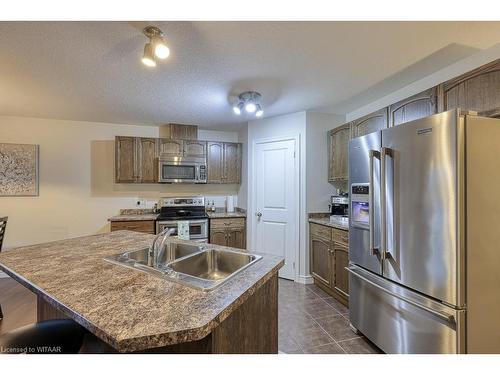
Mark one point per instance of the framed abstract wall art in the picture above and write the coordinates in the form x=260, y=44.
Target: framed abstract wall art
x=18, y=170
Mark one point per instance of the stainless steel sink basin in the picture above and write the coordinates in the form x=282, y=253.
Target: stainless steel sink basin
x=198, y=266
x=139, y=258
x=210, y=268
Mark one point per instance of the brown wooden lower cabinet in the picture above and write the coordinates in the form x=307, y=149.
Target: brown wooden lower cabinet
x=329, y=255
x=228, y=232
x=144, y=226
x=341, y=276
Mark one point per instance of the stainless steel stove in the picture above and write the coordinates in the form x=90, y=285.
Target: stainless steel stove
x=190, y=209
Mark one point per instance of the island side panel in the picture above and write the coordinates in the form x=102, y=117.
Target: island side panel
x=45, y=311
x=253, y=327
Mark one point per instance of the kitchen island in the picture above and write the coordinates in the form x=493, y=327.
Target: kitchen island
x=133, y=311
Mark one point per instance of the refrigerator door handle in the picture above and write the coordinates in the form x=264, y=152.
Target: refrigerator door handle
x=373, y=250
x=447, y=317
x=383, y=204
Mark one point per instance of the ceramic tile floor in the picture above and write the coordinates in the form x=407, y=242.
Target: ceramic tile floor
x=312, y=322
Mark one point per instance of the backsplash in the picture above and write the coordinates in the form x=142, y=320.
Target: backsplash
x=218, y=200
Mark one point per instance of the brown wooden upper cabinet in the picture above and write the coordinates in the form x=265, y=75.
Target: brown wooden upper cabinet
x=179, y=131
x=232, y=163
x=147, y=165
x=136, y=159
x=413, y=108
x=171, y=147
x=338, y=142
x=223, y=163
x=377, y=120
x=477, y=90
x=196, y=149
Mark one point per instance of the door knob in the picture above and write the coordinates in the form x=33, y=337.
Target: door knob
x=259, y=214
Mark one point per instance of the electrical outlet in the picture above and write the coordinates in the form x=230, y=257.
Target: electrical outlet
x=140, y=203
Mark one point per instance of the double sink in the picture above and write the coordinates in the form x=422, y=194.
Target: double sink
x=203, y=267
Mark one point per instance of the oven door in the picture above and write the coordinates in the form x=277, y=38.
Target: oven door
x=198, y=229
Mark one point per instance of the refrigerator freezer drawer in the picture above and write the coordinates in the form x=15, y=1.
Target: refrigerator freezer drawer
x=399, y=320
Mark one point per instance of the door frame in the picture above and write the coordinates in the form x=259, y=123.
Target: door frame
x=297, y=194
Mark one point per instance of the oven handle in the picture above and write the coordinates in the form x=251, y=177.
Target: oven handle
x=200, y=221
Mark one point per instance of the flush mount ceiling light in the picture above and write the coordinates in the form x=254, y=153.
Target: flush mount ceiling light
x=250, y=102
x=156, y=48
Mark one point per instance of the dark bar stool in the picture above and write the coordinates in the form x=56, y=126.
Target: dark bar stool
x=58, y=336
x=3, y=225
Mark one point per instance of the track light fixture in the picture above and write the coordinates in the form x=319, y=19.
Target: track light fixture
x=156, y=48
x=250, y=102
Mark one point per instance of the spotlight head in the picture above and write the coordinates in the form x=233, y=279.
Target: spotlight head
x=148, y=57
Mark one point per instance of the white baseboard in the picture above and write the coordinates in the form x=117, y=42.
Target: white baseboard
x=305, y=279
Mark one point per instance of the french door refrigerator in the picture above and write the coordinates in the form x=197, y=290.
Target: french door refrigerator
x=424, y=235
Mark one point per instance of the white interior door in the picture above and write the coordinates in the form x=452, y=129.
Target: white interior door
x=276, y=202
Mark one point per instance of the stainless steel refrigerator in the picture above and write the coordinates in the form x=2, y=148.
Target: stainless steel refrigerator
x=424, y=235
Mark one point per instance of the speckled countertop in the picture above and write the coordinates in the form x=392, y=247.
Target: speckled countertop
x=137, y=217
x=134, y=214
x=324, y=219
x=224, y=214
x=128, y=309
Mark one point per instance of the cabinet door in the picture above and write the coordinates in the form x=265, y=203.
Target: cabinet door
x=338, y=153
x=197, y=149
x=413, y=108
x=370, y=123
x=340, y=274
x=236, y=238
x=144, y=226
x=477, y=90
x=215, y=167
x=232, y=163
x=320, y=259
x=147, y=160
x=218, y=236
x=171, y=147
x=181, y=131
x=125, y=159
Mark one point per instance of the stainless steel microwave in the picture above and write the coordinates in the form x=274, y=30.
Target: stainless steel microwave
x=180, y=170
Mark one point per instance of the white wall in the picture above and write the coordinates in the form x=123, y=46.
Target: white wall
x=440, y=76
x=311, y=128
x=215, y=135
x=318, y=188
x=77, y=189
x=243, y=191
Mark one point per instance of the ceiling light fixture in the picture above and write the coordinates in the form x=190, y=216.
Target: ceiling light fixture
x=148, y=58
x=156, y=48
x=250, y=101
x=238, y=108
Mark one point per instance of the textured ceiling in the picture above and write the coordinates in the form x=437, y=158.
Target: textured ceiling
x=92, y=71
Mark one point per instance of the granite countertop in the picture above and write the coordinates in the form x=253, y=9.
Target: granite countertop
x=224, y=214
x=128, y=309
x=326, y=221
x=135, y=214
x=136, y=217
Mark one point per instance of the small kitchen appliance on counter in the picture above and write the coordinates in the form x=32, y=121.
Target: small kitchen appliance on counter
x=184, y=209
x=339, y=209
